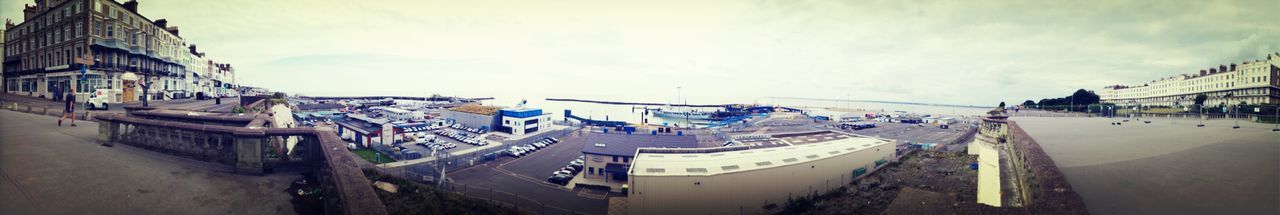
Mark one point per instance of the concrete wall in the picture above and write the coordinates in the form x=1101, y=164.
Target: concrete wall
x=748, y=192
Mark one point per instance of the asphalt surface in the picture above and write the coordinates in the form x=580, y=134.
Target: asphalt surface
x=47, y=169
x=507, y=184
x=526, y=177
x=1166, y=166
x=542, y=163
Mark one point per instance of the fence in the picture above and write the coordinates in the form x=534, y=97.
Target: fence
x=429, y=172
x=494, y=197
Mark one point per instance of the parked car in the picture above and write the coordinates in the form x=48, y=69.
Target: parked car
x=561, y=179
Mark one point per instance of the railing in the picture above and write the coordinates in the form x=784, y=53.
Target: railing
x=245, y=148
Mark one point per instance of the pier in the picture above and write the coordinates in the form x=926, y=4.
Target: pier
x=634, y=103
x=418, y=98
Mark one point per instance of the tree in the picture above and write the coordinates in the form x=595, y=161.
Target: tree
x=1200, y=99
x=1001, y=105
x=1029, y=103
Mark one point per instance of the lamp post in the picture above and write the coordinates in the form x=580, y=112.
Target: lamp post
x=1200, y=116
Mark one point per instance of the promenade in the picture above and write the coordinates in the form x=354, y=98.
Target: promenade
x=46, y=169
x=1168, y=166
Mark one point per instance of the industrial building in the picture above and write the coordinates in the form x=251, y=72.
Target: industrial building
x=521, y=121
x=737, y=180
x=1249, y=82
x=608, y=155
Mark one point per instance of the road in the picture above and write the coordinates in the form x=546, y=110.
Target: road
x=1166, y=166
x=48, y=169
x=183, y=104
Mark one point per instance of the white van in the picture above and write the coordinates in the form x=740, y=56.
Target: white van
x=97, y=100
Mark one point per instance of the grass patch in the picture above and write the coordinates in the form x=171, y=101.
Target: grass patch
x=369, y=154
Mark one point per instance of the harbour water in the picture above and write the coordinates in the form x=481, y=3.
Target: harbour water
x=636, y=114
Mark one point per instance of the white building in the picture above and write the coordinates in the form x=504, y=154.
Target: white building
x=521, y=121
x=1249, y=82
x=727, y=181
x=395, y=114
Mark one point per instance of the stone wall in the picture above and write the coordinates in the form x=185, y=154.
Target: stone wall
x=1048, y=189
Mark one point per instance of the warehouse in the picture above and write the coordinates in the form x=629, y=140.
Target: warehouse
x=748, y=180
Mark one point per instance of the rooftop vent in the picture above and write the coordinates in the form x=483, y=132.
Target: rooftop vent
x=789, y=160
x=811, y=156
x=657, y=170
x=729, y=167
x=702, y=170
x=766, y=163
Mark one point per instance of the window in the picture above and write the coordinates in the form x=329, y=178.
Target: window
x=79, y=25
x=591, y=170
x=615, y=158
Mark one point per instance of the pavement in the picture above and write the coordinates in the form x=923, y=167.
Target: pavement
x=46, y=169
x=1168, y=166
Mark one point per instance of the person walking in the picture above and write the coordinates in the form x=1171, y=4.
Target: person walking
x=70, y=110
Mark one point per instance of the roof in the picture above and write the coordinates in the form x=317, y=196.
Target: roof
x=725, y=162
x=319, y=106
x=476, y=109
x=622, y=144
x=358, y=126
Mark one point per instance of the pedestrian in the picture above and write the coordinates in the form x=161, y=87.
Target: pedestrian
x=69, y=111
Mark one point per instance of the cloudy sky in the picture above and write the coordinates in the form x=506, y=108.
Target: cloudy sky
x=954, y=52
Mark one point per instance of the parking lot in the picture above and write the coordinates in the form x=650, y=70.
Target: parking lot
x=460, y=146
x=540, y=164
x=920, y=133
x=526, y=176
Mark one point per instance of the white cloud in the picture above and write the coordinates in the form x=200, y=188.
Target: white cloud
x=961, y=52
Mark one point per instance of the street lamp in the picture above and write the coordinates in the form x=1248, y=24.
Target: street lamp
x=1200, y=116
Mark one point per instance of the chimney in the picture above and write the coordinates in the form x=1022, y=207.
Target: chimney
x=1233, y=67
x=1213, y=70
x=131, y=5
x=172, y=30
x=162, y=23
x=1222, y=68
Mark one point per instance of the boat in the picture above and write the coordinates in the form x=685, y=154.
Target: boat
x=680, y=113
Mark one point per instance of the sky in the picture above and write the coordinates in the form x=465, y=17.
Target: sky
x=947, y=52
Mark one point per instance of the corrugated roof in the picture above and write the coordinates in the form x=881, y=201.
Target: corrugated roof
x=621, y=144
x=698, y=164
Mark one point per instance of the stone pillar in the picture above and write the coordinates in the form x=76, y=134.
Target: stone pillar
x=248, y=146
x=107, y=132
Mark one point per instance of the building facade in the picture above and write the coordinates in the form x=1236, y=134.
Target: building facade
x=608, y=156
x=1254, y=82
x=119, y=42
x=748, y=180
x=521, y=121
